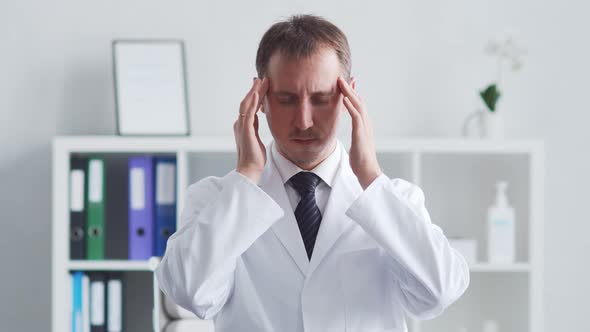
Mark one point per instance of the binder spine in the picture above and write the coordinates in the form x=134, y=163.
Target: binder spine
x=115, y=300
x=165, y=209
x=76, y=279
x=97, y=302
x=96, y=209
x=116, y=205
x=78, y=171
x=141, y=208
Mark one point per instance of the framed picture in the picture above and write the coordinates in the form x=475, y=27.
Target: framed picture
x=150, y=87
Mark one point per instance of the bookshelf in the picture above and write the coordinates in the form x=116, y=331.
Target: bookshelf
x=457, y=176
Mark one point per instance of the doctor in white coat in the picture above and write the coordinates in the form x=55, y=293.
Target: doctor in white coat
x=303, y=236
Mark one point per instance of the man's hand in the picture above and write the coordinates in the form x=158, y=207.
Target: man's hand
x=363, y=157
x=251, y=151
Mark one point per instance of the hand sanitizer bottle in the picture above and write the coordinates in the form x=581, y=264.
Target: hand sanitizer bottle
x=490, y=326
x=501, y=234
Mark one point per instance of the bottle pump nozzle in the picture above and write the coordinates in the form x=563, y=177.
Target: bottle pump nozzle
x=501, y=199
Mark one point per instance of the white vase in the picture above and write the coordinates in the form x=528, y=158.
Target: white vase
x=484, y=124
x=493, y=125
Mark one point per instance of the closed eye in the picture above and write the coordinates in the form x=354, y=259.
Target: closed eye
x=323, y=100
x=318, y=99
x=286, y=100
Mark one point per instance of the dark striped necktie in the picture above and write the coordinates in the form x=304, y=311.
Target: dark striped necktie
x=307, y=213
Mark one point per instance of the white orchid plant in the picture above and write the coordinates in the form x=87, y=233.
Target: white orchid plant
x=506, y=50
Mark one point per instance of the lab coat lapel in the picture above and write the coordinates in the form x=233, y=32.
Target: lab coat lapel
x=286, y=228
x=334, y=221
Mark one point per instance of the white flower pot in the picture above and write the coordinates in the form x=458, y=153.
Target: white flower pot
x=493, y=125
x=488, y=125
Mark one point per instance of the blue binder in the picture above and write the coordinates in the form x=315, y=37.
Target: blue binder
x=76, y=278
x=165, y=202
x=141, y=207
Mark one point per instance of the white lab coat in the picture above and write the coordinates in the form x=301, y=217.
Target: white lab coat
x=239, y=257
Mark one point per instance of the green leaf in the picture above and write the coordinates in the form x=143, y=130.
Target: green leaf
x=490, y=96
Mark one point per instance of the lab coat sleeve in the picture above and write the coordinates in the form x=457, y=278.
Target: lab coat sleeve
x=221, y=219
x=429, y=273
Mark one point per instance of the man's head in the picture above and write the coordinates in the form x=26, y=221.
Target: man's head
x=303, y=58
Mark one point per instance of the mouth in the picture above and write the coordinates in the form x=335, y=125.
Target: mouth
x=304, y=141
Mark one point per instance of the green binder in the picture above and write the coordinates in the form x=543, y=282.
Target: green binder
x=96, y=209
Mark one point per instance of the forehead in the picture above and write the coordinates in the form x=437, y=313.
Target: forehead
x=317, y=72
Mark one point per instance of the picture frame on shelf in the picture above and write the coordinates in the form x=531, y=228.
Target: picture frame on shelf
x=150, y=87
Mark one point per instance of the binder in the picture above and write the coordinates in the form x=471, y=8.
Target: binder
x=97, y=302
x=96, y=209
x=85, y=303
x=165, y=210
x=78, y=166
x=115, y=302
x=141, y=208
x=116, y=202
x=76, y=280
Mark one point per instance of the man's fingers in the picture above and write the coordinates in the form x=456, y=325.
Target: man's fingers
x=260, y=90
x=350, y=107
x=250, y=112
x=263, y=89
x=255, y=84
x=248, y=120
x=256, y=126
x=248, y=104
x=350, y=93
x=247, y=101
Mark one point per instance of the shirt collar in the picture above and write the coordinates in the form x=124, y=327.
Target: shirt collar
x=326, y=170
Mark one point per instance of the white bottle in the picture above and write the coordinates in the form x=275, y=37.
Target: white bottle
x=490, y=326
x=501, y=233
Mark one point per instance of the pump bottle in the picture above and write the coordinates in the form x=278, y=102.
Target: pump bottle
x=501, y=230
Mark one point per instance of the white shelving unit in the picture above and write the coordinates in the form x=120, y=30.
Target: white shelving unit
x=450, y=171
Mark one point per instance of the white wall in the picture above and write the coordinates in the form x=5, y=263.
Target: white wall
x=418, y=64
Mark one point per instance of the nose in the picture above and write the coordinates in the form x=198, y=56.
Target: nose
x=303, y=116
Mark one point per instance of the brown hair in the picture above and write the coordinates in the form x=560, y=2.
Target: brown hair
x=302, y=36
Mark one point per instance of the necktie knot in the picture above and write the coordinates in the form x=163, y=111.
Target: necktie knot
x=305, y=182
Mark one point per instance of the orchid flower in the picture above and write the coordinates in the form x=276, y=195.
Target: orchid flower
x=506, y=49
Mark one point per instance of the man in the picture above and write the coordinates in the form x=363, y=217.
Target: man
x=302, y=236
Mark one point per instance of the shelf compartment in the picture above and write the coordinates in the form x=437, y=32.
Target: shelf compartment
x=138, y=300
x=460, y=188
x=397, y=165
x=203, y=164
x=487, y=298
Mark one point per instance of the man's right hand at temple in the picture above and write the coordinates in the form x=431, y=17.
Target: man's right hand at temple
x=251, y=150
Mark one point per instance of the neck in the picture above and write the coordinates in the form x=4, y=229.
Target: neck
x=309, y=165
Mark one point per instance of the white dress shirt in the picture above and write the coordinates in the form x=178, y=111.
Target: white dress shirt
x=326, y=170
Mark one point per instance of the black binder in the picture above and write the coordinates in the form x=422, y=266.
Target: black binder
x=78, y=185
x=116, y=206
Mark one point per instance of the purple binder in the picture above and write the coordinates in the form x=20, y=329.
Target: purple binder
x=141, y=208
x=165, y=202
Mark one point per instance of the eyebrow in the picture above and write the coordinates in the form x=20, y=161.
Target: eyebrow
x=327, y=93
